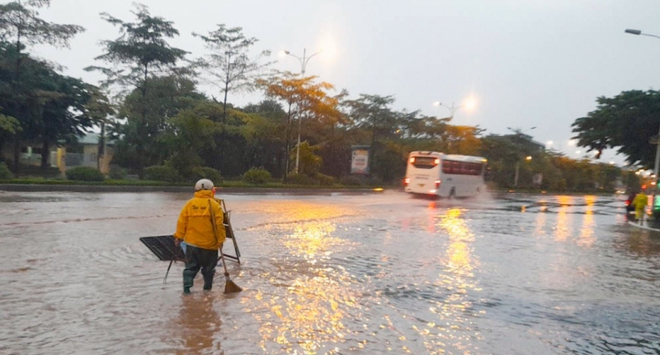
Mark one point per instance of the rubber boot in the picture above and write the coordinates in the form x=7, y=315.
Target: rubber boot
x=208, y=280
x=188, y=279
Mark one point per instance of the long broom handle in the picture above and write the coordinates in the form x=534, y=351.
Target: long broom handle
x=168, y=269
x=224, y=265
x=215, y=233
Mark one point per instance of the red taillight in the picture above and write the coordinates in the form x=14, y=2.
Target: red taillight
x=627, y=202
x=437, y=184
x=406, y=181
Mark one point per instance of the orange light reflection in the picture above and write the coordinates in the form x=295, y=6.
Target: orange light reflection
x=453, y=326
x=310, y=314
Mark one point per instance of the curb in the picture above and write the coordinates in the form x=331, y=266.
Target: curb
x=641, y=226
x=186, y=189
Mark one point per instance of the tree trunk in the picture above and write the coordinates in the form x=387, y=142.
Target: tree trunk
x=21, y=108
x=287, y=144
x=101, y=147
x=17, y=155
x=45, y=146
x=142, y=127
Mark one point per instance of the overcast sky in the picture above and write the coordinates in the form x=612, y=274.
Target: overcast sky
x=527, y=62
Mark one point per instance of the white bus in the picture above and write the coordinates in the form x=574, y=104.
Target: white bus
x=444, y=175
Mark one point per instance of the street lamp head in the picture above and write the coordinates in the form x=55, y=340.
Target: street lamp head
x=633, y=32
x=287, y=52
x=470, y=103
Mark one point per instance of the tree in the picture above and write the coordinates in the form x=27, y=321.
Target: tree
x=628, y=122
x=99, y=110
x=20, y=26
x=140, y=52
x=150, y=116
x=8, y=124
x=373, y=113
x=265, y=149
x=304, y=99
x=229, y=63
x=189, y=135
x=461, y=140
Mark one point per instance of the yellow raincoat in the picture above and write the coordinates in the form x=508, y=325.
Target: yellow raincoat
x=640, y=202
x=194, y=225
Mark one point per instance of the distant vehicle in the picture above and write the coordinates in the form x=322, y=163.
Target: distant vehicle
x=444, y=175
x=630, y=209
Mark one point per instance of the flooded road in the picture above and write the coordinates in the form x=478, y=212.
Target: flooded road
x=332, y=274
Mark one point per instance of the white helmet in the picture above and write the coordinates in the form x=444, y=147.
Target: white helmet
x=204, y=184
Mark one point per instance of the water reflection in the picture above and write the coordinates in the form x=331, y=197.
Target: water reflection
x=452, y=327
x=334, y=275
x=640, y=242
x=196, y=329
x=563, y=228
x=309, y=316
x=587, y=236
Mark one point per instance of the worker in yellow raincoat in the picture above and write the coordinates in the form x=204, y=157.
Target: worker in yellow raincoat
x=201, y=227
x=640, y=202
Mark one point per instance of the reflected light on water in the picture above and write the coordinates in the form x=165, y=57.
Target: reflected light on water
x=563, y=227
x=453, y=324
x=587, y=236
x=311, y=239
x=309, y=316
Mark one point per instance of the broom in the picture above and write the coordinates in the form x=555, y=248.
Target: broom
x=230, y=286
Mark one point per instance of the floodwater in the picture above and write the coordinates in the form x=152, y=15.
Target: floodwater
x=332, y=274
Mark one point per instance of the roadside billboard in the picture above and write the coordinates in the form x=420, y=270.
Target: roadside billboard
x=360, y=160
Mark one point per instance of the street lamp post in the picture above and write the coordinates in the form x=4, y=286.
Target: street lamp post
x=515, y=179
x=657, y=140
x=303, y=65
x=451, y=109
x=527, y=158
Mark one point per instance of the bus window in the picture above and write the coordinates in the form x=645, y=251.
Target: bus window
x=424, y=162
x=461, y=168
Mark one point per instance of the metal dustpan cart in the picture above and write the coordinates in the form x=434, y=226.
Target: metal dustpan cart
x=230, y=233
x=163, y=245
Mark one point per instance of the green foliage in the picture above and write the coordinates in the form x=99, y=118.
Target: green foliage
x=162, y=173
x=229, y=65
x=205, y=172
x=310, y=163
x=20, y=21
x=299, y=179
x=324, y=180
x=257, y=176
x=185, y=163
x=304, y=179
x=627, y=121
x=117, y=173
x=5, y=174
x=9, y=124
x=140, y=54
x=84, y=173
x=351, y=180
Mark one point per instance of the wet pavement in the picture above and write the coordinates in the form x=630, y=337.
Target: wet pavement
x=332, y=274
